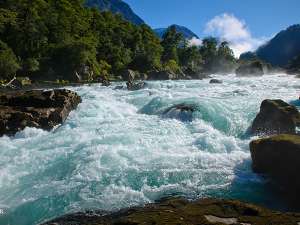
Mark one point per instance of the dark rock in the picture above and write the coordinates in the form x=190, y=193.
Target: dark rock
x=162, y=75
x=106, y=83
x=250, y=69
x=129, y=75
x=278, y=157
x=275, y=117
x=183, y=212
x=119, y=87
x=215, y=81
x=134, y=86
x=35, y=108
x=183, y=112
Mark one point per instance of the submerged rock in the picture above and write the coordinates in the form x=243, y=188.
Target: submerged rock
x=278, y=157
x=276, y=117
x=183, y=212
x=250, y=69
x=36, y=108
x=215, y=81
x=183, y=112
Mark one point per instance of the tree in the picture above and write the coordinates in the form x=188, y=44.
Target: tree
x=225, y=60
x=170, y=43
x=190, y=58
x=69, y=59
x=8, y=62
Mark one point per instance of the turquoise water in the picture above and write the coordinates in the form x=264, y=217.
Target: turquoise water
x=117, y=150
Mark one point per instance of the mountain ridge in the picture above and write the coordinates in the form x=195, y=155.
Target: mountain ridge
x=187, y=33
x=118, y=7
x=281, y=49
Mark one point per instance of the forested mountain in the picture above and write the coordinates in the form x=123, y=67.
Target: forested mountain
x=281, y=49
x=187, y=33
x=116, y=6
x=50, y=39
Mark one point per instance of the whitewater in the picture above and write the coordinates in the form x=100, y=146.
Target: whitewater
x=117, y=149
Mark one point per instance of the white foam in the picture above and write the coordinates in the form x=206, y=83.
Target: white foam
x=111, y=154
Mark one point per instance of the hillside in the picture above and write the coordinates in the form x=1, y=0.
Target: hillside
x=282, y=48
x=187, y=33
x=116, y=6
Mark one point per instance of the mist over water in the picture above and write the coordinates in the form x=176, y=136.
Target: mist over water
x=118, y=150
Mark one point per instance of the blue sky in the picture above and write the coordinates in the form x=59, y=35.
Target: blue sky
x=260, y=18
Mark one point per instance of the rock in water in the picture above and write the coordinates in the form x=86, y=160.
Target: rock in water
x=182, y=212
x=215, y=81
x=35, y=108
x=250, y=69
x=129, y=75
x=275, y=117
x=134, y=86
x=183, y=112
x=162, y=75
x=278, y=157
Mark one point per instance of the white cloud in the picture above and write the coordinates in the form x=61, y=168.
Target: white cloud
x=229, y=28
x=195, y=42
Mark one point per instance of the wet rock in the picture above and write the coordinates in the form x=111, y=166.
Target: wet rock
x=129, y=75
x=182, y=212
x=250, y=69
x=215, y=81
x=162, y=75
x=183, y=112
x=276, y=117
x=134, y=86
x=119, y=87
x=278, y=157
x=35, y=108
x=106, y=83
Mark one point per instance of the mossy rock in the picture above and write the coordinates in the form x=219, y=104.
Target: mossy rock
x=276, y=117
x=180, y=211
x=279, y=158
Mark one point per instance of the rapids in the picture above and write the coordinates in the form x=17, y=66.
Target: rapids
x=118, y=149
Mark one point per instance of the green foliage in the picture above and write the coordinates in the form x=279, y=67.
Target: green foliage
x=8, y=62
x=78, y=57
x=62, y=39
x=218, y=57
x=190, y=58
x=104, y=69
x=170, y=43
x=172, y=66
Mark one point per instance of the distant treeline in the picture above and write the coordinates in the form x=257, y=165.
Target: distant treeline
x=63, y=39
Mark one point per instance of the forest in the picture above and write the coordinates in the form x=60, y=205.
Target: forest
x=64, y=40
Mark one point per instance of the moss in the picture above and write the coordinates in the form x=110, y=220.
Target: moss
x=294, y=139
x=180, y=211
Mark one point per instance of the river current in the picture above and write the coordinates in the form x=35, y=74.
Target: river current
x=118, y=149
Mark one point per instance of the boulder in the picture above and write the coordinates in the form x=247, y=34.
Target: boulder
x=215, y=81
x=279, y=158
x=129, y=75
x=183, y=212
x=35, y=108
x=275, y=117
x=134, y=86
x=250, y=69
x=162, y=75
x=183, y=112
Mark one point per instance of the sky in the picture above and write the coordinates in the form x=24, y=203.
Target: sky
x=246, y=24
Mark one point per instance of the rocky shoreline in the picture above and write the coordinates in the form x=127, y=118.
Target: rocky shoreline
x=35, y=108
x=183, y=212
